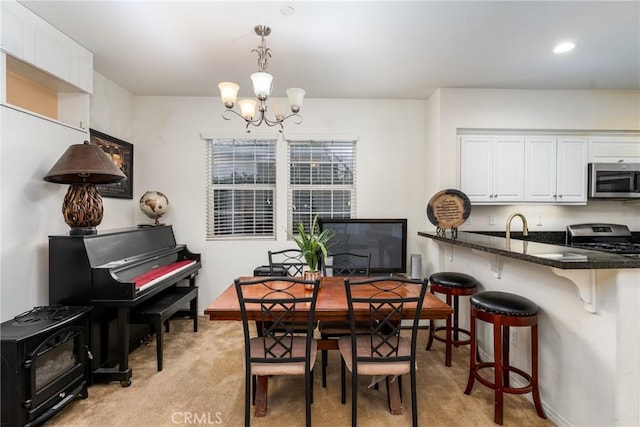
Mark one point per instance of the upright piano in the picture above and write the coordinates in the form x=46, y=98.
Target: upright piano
x=114, y=271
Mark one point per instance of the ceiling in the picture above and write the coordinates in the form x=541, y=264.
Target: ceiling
x=363, y=49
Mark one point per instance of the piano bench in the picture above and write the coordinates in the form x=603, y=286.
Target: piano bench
x=159, y=310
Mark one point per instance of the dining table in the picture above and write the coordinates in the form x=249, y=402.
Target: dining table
x=331, y=305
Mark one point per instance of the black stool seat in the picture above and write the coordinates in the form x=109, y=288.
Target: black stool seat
x=504, y=304
x=453, y=280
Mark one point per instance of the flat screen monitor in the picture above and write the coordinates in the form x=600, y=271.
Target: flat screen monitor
x=384, y=239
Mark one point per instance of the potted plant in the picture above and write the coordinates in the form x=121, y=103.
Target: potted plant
x=313, y=246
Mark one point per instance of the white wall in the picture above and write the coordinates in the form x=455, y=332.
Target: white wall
x=171, y=157
x=31, y=207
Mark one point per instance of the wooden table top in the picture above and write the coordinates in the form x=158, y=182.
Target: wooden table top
x=331, y=303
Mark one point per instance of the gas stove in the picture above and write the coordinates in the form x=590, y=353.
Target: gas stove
x=614, y=238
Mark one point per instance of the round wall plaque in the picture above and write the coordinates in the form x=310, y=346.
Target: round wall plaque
x=448, y=208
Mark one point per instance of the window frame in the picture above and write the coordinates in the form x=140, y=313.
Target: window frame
x=211, y=228
x=292, y=188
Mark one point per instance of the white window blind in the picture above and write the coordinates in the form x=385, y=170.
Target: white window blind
x=322, y=181
x=241, y=188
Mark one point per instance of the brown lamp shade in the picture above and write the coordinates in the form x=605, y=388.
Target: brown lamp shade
x=84, y=163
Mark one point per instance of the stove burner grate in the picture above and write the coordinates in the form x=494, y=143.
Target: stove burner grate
x=43, y=312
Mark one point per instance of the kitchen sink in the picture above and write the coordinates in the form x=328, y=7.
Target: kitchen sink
x=562, y=256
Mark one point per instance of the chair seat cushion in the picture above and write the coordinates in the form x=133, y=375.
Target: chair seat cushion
x=453, y=280
x=504, y=303
x=363, y=348
x=342, y=328
x=281, y=368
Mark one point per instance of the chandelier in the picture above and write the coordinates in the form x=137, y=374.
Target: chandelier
x=262, y=85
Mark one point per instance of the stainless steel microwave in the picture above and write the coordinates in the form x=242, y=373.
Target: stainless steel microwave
x=614, y=181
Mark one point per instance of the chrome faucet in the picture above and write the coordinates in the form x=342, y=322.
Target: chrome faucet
x=525, y=227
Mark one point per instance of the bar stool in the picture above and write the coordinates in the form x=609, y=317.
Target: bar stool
x=453, y=285
x=504, y=310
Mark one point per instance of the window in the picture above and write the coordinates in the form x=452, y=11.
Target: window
x=241, y=188
x=322, y=180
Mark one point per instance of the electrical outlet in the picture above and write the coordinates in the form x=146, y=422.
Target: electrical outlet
x=492, y=220
x=513, y=337
x=539, y=221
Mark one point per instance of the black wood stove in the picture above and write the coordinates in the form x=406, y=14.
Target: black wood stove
x=44, y=363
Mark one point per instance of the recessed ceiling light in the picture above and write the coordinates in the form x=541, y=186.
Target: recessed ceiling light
x=287, y=10
x=564, y=47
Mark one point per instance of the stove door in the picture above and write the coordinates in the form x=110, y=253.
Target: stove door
x=54, y=366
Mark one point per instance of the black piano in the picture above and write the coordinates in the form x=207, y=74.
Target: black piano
x=115, y=271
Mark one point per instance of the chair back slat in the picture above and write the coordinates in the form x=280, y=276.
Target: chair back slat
x=292, y=260
x=278, y=299
x=387, y=299
x=347, y=264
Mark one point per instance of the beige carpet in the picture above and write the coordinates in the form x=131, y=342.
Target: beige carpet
x=202, y=383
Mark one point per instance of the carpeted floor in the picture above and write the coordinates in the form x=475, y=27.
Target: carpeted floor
x=202, y=383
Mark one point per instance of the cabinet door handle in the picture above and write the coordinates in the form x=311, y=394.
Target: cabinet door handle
x=560, y=195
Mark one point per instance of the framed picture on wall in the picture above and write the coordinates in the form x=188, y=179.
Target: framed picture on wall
x=121, y=153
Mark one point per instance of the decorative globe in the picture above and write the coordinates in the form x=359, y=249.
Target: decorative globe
x=154, y=204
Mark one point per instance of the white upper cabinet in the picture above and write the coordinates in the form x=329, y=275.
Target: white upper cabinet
x=614, y=149
x=492, y=168
x=31, y=39
x=505, y=169
x=572, y=170
x=555, y=169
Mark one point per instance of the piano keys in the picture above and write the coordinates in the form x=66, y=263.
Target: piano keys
x=114, y=271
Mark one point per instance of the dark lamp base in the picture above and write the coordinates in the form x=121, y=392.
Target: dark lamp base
x=81, y=231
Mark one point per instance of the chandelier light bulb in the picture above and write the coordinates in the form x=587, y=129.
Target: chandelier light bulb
x=262, y=84
x=228, y=93
x=248, y=108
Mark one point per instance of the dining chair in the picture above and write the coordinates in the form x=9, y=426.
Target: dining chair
x=383, y=351
x=292, y=260
x=346, y=264
x=279, y=303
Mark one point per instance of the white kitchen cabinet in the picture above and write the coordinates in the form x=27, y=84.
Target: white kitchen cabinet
x=614, y=149
x=31, y=39
x=555, y=169
x=492, y=168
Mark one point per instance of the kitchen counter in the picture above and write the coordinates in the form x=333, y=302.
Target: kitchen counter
x=557, y=256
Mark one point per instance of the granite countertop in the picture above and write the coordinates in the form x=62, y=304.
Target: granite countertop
x=552, y=255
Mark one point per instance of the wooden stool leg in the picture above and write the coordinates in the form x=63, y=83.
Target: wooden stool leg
x=447, y=357
x=505, y=355
x=456, y=310
x=534, y=372
x=497, y=356
x=472, y=353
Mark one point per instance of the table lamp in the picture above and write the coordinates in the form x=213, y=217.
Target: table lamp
x=83, y=166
